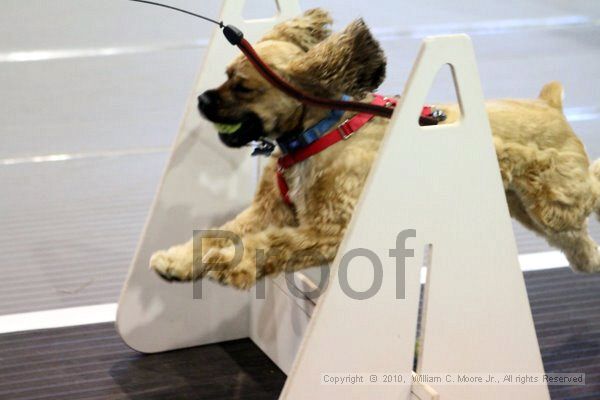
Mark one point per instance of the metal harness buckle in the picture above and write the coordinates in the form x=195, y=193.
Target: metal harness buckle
x=345, y=135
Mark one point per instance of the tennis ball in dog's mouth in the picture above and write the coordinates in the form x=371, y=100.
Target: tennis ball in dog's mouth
x=228, y=128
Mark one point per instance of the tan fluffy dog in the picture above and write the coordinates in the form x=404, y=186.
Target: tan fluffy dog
x=550, y=187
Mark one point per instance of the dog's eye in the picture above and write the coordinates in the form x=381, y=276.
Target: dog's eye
x=242, y=89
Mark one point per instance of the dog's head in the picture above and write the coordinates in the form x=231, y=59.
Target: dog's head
x=246, y=107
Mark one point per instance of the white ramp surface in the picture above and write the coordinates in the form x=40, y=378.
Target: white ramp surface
x=204, y=185
x=446, y=186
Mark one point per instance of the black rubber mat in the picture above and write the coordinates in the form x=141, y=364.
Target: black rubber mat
x=566, y=312
x=91, y=362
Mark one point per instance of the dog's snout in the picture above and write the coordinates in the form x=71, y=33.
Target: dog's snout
x=204, y=100
x=208, y=102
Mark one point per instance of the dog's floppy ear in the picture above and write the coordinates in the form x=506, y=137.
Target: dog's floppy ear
x=304, y=31
x=350, y=62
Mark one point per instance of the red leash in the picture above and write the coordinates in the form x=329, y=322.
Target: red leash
x=236, y=38
x=380, y=106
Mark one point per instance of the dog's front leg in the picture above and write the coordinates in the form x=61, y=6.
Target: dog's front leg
x=184, y=262
x=177, y=263
x=267, y=210
x=271, y=251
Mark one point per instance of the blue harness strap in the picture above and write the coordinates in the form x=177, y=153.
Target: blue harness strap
x=314, y=133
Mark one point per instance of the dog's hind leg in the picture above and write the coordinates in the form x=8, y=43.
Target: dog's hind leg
x=577, y=245
x=579, y=248
x=558, y=193
x=518, y=212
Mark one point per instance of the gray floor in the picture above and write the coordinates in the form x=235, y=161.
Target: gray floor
x=84, y=135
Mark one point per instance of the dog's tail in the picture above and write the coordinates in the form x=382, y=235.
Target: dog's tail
x=552, y=93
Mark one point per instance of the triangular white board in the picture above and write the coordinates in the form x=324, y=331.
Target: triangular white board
x=443, y=182
x=204, y=185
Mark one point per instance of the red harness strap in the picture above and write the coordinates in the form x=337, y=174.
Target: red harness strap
x=342, y=132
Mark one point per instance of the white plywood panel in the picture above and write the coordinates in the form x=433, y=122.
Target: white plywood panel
x=452, y=195
x=278, y=320
x=202, y=180
x=475, y=300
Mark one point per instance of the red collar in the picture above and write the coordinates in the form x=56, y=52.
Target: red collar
x=342, y=132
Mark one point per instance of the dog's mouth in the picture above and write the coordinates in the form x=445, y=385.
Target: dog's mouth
x=239, y=133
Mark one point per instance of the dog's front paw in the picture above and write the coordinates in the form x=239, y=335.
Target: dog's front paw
x=171, y=266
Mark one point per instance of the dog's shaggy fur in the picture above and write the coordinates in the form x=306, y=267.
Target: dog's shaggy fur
x=549, y=183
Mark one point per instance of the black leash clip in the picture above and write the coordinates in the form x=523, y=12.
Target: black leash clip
x=263, y=147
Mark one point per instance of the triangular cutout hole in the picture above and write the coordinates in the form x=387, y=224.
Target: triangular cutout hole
x=443, y=97
x=259, y=9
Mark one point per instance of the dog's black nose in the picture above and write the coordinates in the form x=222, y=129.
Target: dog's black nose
x=208, y=102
